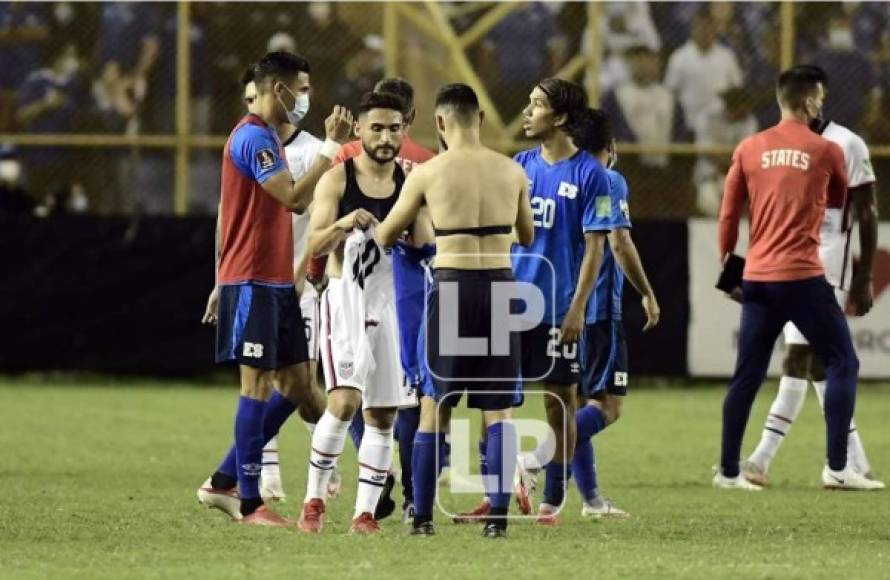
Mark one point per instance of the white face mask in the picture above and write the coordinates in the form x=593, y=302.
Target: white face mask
x=301, y=107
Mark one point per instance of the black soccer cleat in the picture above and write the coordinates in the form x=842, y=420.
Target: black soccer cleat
x=424, y=529
x=494, y=530
x=386, y=505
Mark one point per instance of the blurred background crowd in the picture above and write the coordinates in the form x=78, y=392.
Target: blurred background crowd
x=682, y=81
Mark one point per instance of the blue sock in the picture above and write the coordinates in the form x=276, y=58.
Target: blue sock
x=278, y=409
x=590, y=421
x=357, y=429
x=500, y=452
x=249, y=445
x=556, y=477
x=584, y=469
x=407, y=421
x=423, y=465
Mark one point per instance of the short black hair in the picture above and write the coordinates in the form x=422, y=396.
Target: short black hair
x=399, y=87
x=816, y=71
x=592, y=131
x=248, y=75
x=798, y=83
x=565, y=97
x=461, y=99
x=375, y=100
x=279, y=65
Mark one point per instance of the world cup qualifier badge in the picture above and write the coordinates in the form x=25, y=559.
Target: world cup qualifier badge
x=345, y=369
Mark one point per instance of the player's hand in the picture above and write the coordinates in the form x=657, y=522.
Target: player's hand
x=572, y=325
x=360, y=218
x=210, y=313
x=338, y=125
x=653, y=312
x=862, y=296
x=736, y=295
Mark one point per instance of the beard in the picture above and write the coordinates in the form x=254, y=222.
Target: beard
x=381, y=154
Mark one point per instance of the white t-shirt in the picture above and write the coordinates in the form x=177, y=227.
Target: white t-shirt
x=301, y=151
x=834, y=247
x=699, y=77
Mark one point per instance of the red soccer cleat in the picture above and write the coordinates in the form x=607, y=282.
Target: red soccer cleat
x=312, y=519
x=263, y=517
x=477, y=516
x=364, y=524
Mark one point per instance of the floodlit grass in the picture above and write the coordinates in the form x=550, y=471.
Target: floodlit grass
x=98, y=481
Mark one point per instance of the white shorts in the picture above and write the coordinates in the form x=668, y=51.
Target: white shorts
x=794, y=336
x=309, y=309
x=384, y=385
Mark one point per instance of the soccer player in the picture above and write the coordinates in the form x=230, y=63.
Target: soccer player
x=476, y=197
x=569, y=192
x=788, y=175
x=408, y=270
x=834, y=252
x=259, y=320
x=307, y=158
x=360, y=345
x=604, y=378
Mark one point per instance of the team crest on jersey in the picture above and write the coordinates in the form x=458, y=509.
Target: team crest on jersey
x=266, y=158
x=625, y=209
x=603, y=206
x=567, y=190
x=346, y=369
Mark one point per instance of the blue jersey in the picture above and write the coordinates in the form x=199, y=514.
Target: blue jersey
x=409, y=271
x=605, y=300
x=567, y=199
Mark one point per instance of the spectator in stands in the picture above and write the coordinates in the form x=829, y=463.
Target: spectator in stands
x=643, y=109
x=761, y=76
x=701, y=69
x=625, y=25
x=23, y=30
x=360, y=73
x=726, y=122
x=14, y=196
x=853, y=82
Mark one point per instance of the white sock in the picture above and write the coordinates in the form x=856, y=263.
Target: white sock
x=327, y=446
x=271, y=469
x=855, y=450
x=541, y=456
x=374, y=462
x=782, y=413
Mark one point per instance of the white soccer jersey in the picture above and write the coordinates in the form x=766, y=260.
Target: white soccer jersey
x=301, y=151
x=361, y=333
x=834, y=247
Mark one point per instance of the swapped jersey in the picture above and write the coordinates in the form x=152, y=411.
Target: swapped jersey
x=605, y=300
x=567, y=198
x=256, y=236
x=834, y=246
x=410, y=266
x=301, y=150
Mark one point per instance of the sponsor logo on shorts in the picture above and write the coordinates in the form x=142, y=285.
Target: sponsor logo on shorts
x=620, y=379
x=346, y=369
x=265, y=158
x=253, y=350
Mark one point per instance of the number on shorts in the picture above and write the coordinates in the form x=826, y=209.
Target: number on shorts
x=568, y=351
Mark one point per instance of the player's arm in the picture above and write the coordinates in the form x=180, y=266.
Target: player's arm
x=735, y=191
x=210, y=311
x=628, y=259
x=405, y=209
x=865, y=208
x=324, y=233
x=524, y=228
x=338, y=127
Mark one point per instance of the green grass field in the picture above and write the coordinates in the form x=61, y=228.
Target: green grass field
x=98, y=481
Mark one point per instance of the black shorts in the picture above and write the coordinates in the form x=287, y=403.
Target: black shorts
x=260, y=326
x=490, y=379
x=605, y=359
x=545, y=359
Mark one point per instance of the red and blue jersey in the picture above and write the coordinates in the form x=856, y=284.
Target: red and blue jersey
x=256, y=234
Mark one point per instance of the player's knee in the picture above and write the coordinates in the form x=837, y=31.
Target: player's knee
x=797, y=361
x=343, y=403
x=380, y=418
x=612, y=409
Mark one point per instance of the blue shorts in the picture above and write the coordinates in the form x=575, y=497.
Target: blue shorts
x=260, y=326
x=604, y=359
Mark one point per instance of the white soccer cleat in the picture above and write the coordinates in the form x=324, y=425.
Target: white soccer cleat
x=600, y=507
x=754, y=473
x=335, y=484
x=271, y=488
x=872, y=477
x=737, y=482
x=849, y=480
x=525, y=483
x=225, y=500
